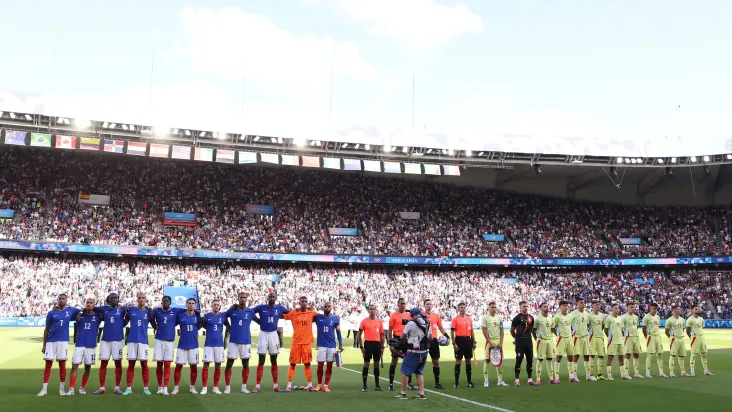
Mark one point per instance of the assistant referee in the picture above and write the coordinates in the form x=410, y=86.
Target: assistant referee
x=463, y=341
x=371, y=342
x=521, y=326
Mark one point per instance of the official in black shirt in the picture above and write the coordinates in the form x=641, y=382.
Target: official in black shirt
x=521, y=327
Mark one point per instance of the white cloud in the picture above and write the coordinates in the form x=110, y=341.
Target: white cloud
x=420, y=24
x=223, y=40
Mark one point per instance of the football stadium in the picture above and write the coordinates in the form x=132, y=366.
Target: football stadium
x=337, y=205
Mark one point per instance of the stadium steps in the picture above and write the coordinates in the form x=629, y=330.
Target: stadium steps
x=715, y=314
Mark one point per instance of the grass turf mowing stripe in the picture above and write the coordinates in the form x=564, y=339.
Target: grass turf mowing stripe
x=485, y=405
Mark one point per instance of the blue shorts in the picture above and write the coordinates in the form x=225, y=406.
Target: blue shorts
x=413, y=363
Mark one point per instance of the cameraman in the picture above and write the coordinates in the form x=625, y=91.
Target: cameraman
x=416, y=338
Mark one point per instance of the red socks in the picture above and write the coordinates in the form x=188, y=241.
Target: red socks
x=194, y=374
x=275, y=374
x=84, y=380
x=62, y=371
x=47, y=371
x=159, y=374
x=227, y=377
x=72, y=383
x=166, y=374
x=103, y=373
x=117, y=372
x=145, y=373
x=204, y=377
x=176, y=376
x=244, y=376
x=217, y=376
x=130, y=373
x=320, y=373
x=260, y=372
x=328, y=372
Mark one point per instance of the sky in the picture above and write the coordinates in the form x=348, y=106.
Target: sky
x=579, y=68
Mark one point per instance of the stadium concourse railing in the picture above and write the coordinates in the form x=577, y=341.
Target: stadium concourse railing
x=111, y=250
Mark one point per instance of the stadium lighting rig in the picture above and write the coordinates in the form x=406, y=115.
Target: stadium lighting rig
x=83, y=127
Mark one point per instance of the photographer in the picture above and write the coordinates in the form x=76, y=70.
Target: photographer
x=415, y=339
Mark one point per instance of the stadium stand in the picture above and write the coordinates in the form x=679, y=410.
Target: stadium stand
x=43, y=185
x=30, y=283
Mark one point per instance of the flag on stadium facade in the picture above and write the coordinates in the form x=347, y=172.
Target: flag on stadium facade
x=372, y=165
x=310, y=161
x=15, y=137
x=40, y=139
x=332, y=163
x=114, y=146
x=159, y=150
x=89, y=143
x=412, y=168
x=65, y=142
x=392, y=167
x=353, y=164
x=270, y=158
x=181, y=152
x=290, y=160
x=136, y=148
x=432, y=170
x=224, y=156
x=451, y=170
x=247, y=157
x=204, y=154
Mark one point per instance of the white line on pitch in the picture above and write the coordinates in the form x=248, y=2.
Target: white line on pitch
x=485, y=405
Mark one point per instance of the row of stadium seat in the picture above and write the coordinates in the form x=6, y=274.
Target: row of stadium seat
x=42, y=187
x=29, y=284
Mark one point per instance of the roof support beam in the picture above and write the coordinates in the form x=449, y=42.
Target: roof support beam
x=505, y=176
x=650, y=181
x=583, y=179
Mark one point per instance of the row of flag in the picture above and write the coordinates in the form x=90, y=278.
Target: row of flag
x=207, y=154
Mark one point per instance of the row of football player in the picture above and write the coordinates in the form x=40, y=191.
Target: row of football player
x=236, y=322
x=565, y=334
x=582, y=333
x=563, y=324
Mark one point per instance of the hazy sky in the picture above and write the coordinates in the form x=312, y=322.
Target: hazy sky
x=572, y=68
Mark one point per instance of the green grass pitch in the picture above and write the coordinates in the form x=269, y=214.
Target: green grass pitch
x=21, y=370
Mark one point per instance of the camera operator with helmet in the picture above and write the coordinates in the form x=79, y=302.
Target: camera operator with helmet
x=415, y=341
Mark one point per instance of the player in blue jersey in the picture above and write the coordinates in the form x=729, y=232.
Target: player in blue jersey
x=85, y=345
x=56, y=342
x=111, y=335
x=189, y=322
x=269, y=340
x=139, y=319
x=239, y=338
x=329, y=326
x=213, y=347
x=165, y=318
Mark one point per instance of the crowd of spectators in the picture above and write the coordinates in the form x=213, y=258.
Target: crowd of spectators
x=43, y=186
x=29, y=285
